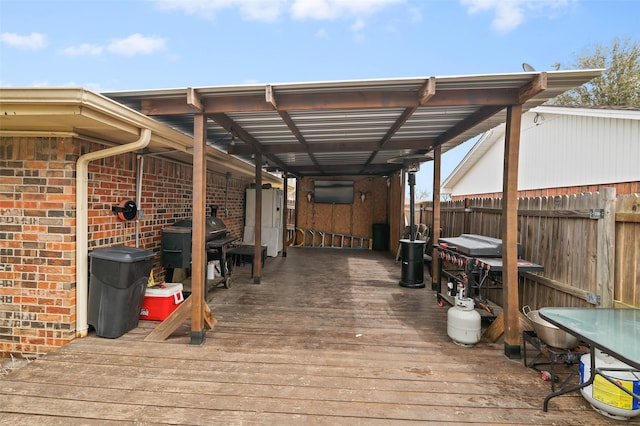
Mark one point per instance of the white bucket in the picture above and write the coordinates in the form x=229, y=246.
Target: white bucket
x=212, y=269
x=605, y=397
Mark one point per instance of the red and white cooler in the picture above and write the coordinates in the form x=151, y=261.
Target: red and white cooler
x=159, y=301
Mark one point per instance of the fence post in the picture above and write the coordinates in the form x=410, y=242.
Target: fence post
x=605, y=258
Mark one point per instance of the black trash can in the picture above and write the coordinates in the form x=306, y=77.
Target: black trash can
x=412, y=255
x=119, y=277
x=380, y=236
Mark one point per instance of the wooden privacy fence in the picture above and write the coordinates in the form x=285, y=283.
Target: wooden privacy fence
x=589, y=245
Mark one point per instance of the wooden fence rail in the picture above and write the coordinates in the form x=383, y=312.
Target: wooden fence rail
x=589, y=245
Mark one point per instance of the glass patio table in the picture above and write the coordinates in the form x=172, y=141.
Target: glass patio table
x=613, y=331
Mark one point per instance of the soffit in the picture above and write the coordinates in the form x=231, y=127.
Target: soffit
x=80, y=113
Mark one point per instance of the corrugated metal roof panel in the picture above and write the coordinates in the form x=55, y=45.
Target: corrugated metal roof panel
x=351, y=122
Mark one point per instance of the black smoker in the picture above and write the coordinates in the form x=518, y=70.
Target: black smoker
x=176, y=243
x=412, y=250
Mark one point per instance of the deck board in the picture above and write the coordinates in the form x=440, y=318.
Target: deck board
x=328, y=337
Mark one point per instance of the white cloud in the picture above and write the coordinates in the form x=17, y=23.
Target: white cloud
x=415, y=14
x=322, y=33
x=332, y=9
x=358, y=25
x=253, y=10
x=510, y=14
x=136, y=44
x=33, y=41
x=83, y=49
x=271, y=10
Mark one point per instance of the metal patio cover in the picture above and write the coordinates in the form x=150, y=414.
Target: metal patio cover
x=347, y=128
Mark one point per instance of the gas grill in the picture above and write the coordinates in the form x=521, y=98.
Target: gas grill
x=176, y=245
x=468, y=261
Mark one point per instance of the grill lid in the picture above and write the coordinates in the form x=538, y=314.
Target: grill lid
x=476, y=245
x=215, y=227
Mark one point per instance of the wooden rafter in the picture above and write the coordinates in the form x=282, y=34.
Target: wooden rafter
x=464, y=125
x=406, y=114
x=229, y=125
x=296, y=132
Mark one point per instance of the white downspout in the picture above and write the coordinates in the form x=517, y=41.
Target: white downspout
x=140, y=167
x=82, y=223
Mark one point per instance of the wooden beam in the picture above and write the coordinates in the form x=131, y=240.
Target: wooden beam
x=531, y=89
x=198, y=229
x=193, y=100
x=346, y=168
x=286, y=148
x=270, y=96
x=347, y=100
x=510, y=232
x=495, y=329
x=209, y=320
x=427, y=91
x=172, y=322
x=359, y=99
x=177, y=318
x=469, y=97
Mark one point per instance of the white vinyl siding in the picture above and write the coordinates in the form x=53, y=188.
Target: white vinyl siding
x=560, y=150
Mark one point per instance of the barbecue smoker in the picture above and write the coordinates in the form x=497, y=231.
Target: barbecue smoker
x=176, y=246
x=466, y=262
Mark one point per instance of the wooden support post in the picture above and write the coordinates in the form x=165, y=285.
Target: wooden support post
x=177, y=318
x=435, y=224
x=257, y=240
x=510, y=232
x=198, y=255
x=199, y=312
x=605, y=258
x=467, y=216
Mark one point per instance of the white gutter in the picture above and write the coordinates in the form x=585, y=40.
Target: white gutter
x=82, y=223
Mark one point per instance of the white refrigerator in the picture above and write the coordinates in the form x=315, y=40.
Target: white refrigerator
x=272, y=211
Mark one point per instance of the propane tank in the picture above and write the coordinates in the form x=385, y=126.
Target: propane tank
x=605, y=397
x=463, y=322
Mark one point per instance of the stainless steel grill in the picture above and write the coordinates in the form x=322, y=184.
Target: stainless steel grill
x=467, y=262
x=176, y=243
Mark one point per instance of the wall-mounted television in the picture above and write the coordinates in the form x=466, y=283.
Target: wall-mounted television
x=333, y=191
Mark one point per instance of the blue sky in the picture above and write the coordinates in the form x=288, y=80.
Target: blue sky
x=128, y=45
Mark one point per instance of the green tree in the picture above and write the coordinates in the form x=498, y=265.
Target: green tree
x=619, y=85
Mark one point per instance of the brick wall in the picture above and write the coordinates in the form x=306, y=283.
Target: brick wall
x=37, y=244
x=37, y=227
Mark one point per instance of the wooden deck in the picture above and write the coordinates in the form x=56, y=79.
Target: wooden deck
x=328, y=337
